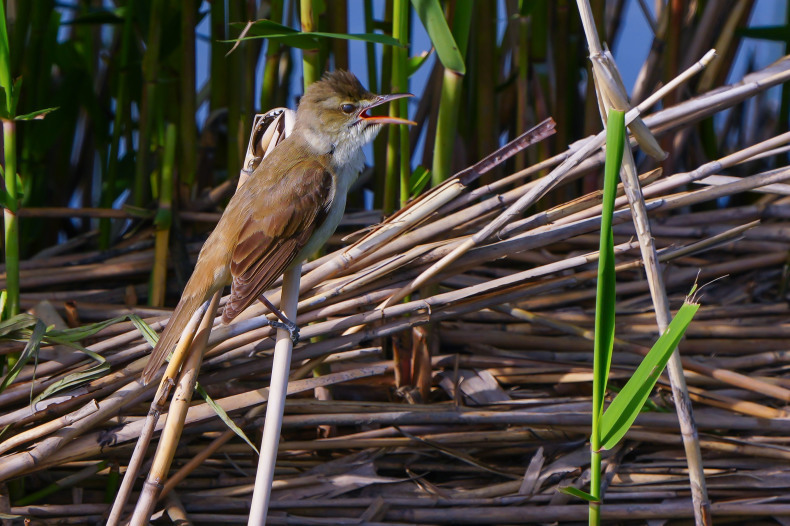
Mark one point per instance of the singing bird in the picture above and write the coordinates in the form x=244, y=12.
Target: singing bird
x=288, y=207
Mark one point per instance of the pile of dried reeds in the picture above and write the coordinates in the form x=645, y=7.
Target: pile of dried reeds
x=484, y=411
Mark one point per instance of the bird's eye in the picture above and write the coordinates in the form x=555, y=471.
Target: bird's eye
x=348, y=108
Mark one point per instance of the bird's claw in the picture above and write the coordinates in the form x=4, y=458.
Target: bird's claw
x=291, y=327
x=293, y=331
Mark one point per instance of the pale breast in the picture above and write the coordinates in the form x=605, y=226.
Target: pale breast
x=345, y=175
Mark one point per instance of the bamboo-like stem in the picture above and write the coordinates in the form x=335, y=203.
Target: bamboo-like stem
x=400, y=82
x=219, y=63
x=150, y=66
x=155, y=411
x=269, y=84
x=237, y=110
x=397, y=166
x=49, y=427
x=522, y=81
x=10, y=220
x=121, y=102
x=485, y=107
x=311, y=68
x=187, y=127
x=338, y=14
x=450, y=102
x=663, y=317
x=278, y=389
x=168, y=442
x=163, y=221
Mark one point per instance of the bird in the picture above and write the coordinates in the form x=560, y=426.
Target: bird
x=287, y=208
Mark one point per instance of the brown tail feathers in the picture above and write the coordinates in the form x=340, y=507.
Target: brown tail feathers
x=181, y=315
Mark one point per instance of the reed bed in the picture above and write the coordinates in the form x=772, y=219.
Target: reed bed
x=469, y=401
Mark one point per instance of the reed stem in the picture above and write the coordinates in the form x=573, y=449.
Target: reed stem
x=276, y=403
x=10, y=219
x=450, y=103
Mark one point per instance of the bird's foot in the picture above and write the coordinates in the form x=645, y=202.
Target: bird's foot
x=287, y=325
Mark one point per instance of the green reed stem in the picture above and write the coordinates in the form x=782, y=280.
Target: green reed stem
x=142, y=185
x=450, y=102
x=188, y=102
x=10, y=221
x=11, y=198
x=311, y=67
x=397, y=159
x=271, y=68
x=121, y=101
x=163, y=221
x=400, y=83
x=235, y=87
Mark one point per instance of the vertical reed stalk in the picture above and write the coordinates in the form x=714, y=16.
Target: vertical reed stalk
x=219, y=64
x=387, y=186
x=370, y=49
x=522, y=79
x=174, y=425
x=484, y=99
x=11, y=204
x=150, y=72
x=450, y=103
x=188, y=103
x=121, y=103
x=311, y=68
x=338, y=13
x=379, y=145
x=10, y=221
x=396, y=162
x=236, y=70
x=278, y=389
x=400, y=83
x=271, y=69
x=163, y=221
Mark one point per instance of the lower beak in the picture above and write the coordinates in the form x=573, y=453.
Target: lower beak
x=385, y=119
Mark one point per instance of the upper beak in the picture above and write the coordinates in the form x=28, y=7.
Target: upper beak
x=385, y=119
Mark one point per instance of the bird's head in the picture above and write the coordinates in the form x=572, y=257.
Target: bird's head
x=336, y=108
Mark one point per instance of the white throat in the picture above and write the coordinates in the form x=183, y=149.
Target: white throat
x=348, y=158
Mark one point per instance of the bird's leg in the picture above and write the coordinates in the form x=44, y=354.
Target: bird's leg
x=284, y=322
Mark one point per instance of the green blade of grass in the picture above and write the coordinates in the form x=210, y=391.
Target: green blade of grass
x=5, y=60
x=30, y=349
x=624, y=409
x=605, y=297
x=148, y=333
x=72, y=380
x=415, y=63
x=605, y=301
x=15, y=323
x=432, y=17
x=35, y=115
x=224, y=416
x=420, y=177
x=306, y=40
x=576, y=492
x=79, y=333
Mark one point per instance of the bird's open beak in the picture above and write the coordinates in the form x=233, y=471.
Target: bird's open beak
x=385, y=119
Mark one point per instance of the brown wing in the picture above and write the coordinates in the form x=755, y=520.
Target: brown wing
x=269, y=242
